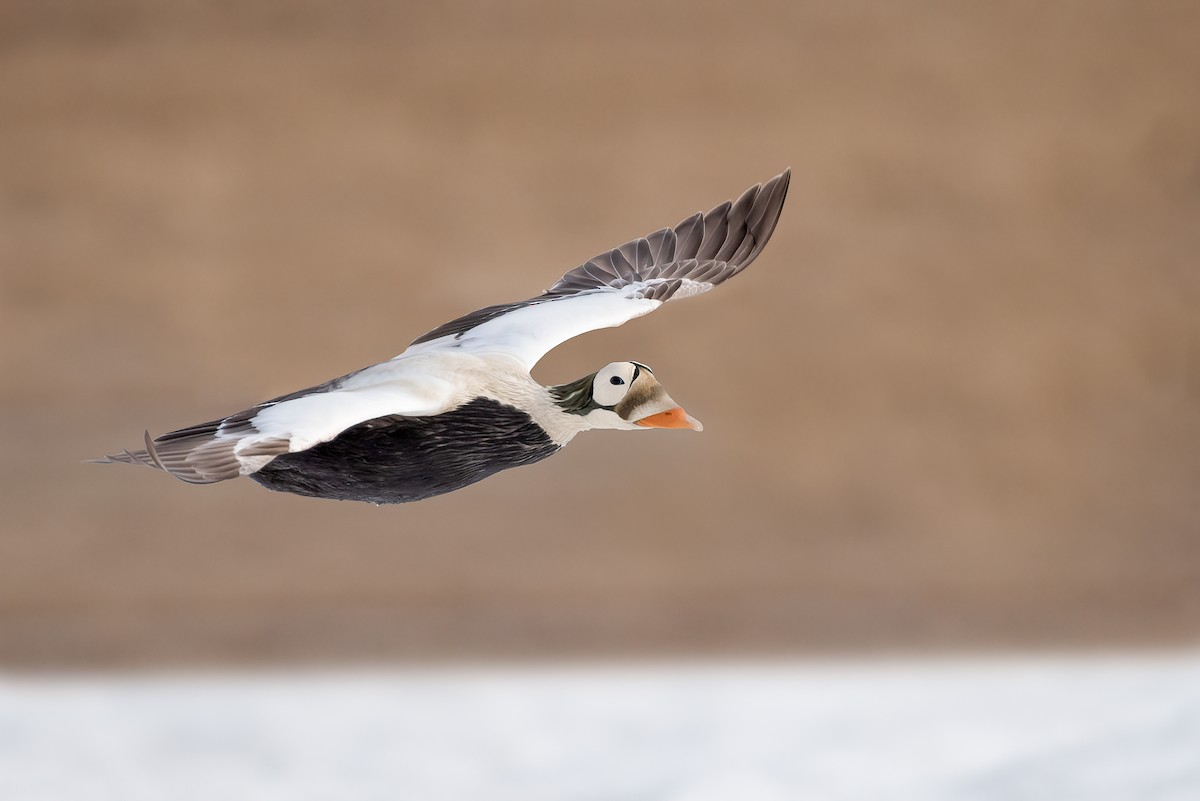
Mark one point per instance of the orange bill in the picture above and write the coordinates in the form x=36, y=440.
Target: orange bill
x=671, y=418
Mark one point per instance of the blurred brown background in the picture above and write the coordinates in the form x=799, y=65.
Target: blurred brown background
x=955, y=404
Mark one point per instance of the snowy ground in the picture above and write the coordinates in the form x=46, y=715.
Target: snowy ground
x=1125, y=728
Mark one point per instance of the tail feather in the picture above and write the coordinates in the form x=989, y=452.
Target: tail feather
x=124, y=457
x=203, y=454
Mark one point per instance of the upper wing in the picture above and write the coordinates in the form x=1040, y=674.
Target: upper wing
x=626, y=282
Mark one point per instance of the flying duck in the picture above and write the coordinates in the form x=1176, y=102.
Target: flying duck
x=459, y=404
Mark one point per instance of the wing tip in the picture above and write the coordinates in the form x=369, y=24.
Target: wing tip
x=737, y=231
x=775, y=191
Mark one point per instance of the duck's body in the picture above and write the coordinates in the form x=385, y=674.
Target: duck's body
x=503, y=418
x=399, y=459
x=459, y=404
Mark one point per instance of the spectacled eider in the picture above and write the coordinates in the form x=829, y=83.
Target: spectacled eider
x=459, y=404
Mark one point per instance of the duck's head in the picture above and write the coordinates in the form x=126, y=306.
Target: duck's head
x=623, y=395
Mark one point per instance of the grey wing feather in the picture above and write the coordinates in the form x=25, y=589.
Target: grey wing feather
x=702, y=251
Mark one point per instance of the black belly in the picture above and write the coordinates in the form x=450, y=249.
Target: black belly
x=399, y=459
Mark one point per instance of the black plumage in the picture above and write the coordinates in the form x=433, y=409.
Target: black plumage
x=399, y=459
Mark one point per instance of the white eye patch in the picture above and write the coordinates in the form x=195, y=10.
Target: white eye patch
x=611, y=383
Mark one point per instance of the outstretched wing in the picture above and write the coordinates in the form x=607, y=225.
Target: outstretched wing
x=626, y=282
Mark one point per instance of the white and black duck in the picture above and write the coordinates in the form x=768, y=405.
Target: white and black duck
x=459, y=404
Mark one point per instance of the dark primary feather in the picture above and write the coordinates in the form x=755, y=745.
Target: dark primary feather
x=705, y=248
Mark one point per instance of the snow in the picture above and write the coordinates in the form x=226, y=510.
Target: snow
x=1119, y=727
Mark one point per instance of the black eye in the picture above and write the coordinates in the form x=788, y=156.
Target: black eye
x=616, y=379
